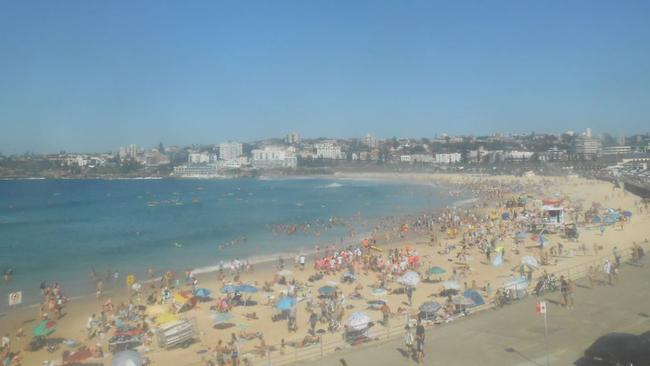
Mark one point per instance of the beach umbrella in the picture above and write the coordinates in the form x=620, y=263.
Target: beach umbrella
x=128, y=358
x=285, y=303
x=436, y=270
x=202, y=293
x=285, y=272
x=44, y=328
x=505, y=216
x=524, y=267
x=327, y=290
x=530, y=260
x=229, y=289
x=453, y=285
x=376, y=304
x=250, y=289
x=358, y=321
x=476, y=298
x=410, y=279
x=596, y=220
x=430, y=307
x=220, y=318
x=627, y=213
x=379, y=292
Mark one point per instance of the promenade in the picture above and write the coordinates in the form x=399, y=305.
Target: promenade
x=514, y=335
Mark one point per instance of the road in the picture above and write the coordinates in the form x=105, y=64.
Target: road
x=514, y=335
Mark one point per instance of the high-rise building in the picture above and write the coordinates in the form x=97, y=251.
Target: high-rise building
x=292, y=138
x=586, y=146
x=370, y=141
x=230, y=150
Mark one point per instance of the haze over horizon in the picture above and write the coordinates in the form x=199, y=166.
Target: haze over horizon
x=91, y=76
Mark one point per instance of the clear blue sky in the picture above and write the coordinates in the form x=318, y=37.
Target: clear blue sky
x=94, y=75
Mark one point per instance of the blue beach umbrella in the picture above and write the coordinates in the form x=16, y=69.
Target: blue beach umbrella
x=202, y=293
x=250, y=289
x=229, y=289
x=474, y=296
x=285, y=303
x=436, y=270
x=627, y=213
x=430, y=307
x=327, y=290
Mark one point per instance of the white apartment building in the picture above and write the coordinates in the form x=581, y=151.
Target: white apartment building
x=292, y=138
x=447, y=158
x=328, y=150
x=616, y=150
x=370, y=141
x=198, y=158
x=230, y=150
x=273, y=157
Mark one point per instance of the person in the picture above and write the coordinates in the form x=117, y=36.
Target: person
x=313, y=319
x=617, y=256
x=564, y=289
x=409, y=294
x=408, y=341
x=5, y=341
x=420, y=350
x=419, y=330
x=385, y=310
x=234, y=353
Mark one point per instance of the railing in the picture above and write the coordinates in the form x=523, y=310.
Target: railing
x=380, y=334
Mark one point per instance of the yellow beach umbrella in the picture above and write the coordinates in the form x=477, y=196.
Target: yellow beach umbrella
x=165, y=318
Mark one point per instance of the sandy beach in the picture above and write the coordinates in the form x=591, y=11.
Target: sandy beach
x=470, y=270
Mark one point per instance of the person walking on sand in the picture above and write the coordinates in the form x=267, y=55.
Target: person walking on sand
x=385, y=310
x=408, y=341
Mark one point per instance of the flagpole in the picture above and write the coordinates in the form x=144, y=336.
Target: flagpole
x=546, y=337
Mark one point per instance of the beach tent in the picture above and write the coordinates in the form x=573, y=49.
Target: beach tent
x=410, y=279
x=128, y=358
x=44, y=328
x=474, y=296
x=358, y=321
x=285, y=303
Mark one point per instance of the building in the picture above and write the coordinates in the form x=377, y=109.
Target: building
x=154, y=157
x=273, y=157
x=230, y=150
x=198, y=158
x=586, y=146
x=554, y=154
x=206, y=170
x=616, y=150
x=292, y=138
x=371, y=141
x=328, y=150
x=128, y=152
x=448, y=158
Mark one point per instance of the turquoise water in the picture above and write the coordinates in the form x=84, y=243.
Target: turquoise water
x=57, y=230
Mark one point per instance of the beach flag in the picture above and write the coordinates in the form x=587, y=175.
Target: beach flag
x=540, y=307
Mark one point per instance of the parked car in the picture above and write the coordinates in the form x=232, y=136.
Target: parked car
x=619, y=349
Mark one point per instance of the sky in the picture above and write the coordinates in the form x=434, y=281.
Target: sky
x=95, y=75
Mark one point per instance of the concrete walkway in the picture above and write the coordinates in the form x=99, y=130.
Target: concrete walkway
x=514, y=335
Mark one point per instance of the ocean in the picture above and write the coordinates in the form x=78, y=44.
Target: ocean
x=60, y=230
